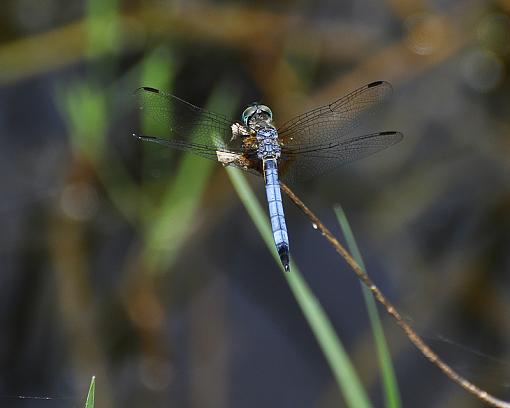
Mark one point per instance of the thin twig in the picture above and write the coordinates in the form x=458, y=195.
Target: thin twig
x=409, y=331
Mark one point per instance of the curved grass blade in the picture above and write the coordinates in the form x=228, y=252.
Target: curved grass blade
x=91, y=395
x=390, y=385
x=334, y=352
x=169, y=228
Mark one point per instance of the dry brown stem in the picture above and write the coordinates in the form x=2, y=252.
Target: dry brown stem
x=392, y=311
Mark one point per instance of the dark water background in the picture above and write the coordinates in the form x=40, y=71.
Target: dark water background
x=141, y=266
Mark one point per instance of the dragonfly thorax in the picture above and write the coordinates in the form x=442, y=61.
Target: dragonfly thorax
x=269, y=147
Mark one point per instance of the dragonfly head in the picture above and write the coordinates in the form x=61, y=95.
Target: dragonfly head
x=256, y=114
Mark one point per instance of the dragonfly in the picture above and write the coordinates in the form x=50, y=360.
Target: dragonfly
x=308, y=145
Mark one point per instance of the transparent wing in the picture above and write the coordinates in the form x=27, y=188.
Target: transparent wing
x=304, y=163
x=312, y=143
x=333, y=122
x=225, y=156
x=184, y=126
x=179, y=120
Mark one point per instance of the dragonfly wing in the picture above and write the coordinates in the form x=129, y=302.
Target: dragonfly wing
x=179, y=121
x=224, y=156
x=301, y=164
x=333, y=122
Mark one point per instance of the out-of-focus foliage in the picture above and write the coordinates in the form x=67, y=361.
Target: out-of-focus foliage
x=391, y=392
x=139, y=265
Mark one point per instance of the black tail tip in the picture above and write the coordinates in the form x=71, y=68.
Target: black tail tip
x=283, y=252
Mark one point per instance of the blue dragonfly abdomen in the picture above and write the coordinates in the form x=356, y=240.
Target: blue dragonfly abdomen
x=276, y=214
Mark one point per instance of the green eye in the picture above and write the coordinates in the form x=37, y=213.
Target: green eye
x=248, y=112
x=256, y=109
x=267, y=111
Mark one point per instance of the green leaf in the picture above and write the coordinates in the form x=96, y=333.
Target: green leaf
x=103, y=27
x=390, y=385
x=84, y=108
x=90, y=397
x=168, y=227
x=334, y=352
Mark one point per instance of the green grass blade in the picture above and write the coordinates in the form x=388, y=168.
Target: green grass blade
x=91, y=395
x=157, y=71
x=390, y=385
x=102, y=27
x=170, y=226
x=338, y=360
x=83, y=107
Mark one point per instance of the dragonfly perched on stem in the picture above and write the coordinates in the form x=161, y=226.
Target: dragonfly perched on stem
x=305, y=146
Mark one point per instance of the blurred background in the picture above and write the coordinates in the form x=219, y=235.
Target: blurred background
x=140, y=265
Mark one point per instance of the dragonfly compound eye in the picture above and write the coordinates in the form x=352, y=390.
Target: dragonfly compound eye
x=258, y=113
x=264, y=110
x=248, y=113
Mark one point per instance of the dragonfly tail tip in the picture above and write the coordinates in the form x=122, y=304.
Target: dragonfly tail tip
x=283, y=252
